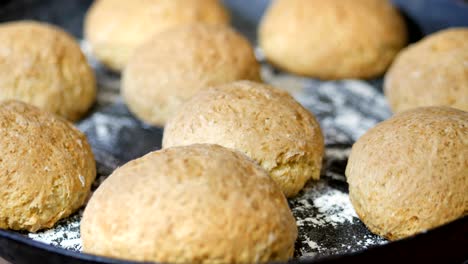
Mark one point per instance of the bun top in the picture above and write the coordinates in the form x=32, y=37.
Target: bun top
x=263, y=122
x=193, y=204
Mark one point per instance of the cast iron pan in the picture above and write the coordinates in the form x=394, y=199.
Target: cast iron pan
x=446, y=244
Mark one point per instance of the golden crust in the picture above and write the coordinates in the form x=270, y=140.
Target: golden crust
x=171, y=67
x=46, y=168
x=265, y=123
x=42, y=65
x=114, y=28
x=332, y=39
x=194, y=204
x=431, y=72
x=410, y=173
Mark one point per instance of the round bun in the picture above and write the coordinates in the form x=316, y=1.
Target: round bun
x=431, y=72
x=263, y=122
x=171, y=67
x=409, y=173
x=46, y=167
x=332, y=39
x=114, y=28
x=42, y=65
x=194, y=204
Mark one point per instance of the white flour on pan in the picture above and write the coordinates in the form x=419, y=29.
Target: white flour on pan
x=325, y=217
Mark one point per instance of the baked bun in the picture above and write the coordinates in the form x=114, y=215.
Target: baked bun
x=332, y=39
x=114, y=28
x=263, y=122
x=409, y=173
x=194, y=204
x=170, y=68
x=46, y=168
x=42, y=65
x=431, y=72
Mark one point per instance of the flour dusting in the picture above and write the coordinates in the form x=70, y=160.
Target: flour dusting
x=325, y=217
x=336, y=207
x=66, y=234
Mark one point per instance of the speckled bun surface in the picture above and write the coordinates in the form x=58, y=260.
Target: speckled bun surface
x=332, y=39
x=261, y=121
x=43, y=65
x=410, y=173
x=171, y=67
x=46, y=168
x=191, y=204
x=115, y=28
x=431, y=72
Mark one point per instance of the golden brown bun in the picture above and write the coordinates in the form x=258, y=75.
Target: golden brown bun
x=431, y=72
x=114, y=28
x=263, y=122
x=410, y=173
x=46, y=167
x=194, y=204
x=42, y=65
x=332, y=39
x=174, y=65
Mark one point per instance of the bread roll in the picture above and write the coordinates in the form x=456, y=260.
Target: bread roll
x=170, y=68
x=431, y=72
x=46, y=168
x=263, y=122
x=410, y=173
x=332, y=39
x=43, y=65
x=115, y=28
x=193, y=204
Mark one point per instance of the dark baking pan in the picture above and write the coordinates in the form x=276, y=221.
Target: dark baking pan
x=446, y=244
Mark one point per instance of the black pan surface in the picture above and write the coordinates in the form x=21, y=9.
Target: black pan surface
x=328, y=234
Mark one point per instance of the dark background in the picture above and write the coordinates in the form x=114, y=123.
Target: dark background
x=426, y=16
x=423, y=17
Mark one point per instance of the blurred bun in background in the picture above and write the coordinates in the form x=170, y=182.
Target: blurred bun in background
x=114, y=28
x=332, y=39
x=431, y=72
x=173, y=65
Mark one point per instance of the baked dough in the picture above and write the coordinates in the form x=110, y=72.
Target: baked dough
x=171, y=67
x=431, y=72
x=193, y=204
x=43, y=65
x=114, y=28
x=332, y=39
x=410, y=173
x=46, y=167
x=263, y=122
